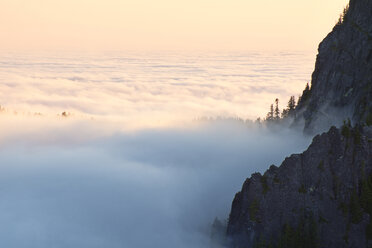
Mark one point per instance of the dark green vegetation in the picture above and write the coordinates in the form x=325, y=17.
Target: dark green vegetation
x=304, y=235
x=302, y=189
x=253, y=210
x=265, y=186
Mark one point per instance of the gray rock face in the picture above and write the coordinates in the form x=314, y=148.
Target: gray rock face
x=341, y=85
x=322, y=197
x=316, y=195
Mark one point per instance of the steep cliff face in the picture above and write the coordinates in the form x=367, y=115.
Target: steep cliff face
x=320, y=198
x=341, y=85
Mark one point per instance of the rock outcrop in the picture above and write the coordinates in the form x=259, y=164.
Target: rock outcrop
x=341, y=85
x=320, y=198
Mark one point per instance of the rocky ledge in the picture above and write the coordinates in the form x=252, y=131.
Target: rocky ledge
x=320, y=198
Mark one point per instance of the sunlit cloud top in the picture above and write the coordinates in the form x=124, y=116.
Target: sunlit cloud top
x=166, y=24
x=153, y=90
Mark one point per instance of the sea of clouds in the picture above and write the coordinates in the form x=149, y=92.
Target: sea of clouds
x=92, y=180
x=152, y=89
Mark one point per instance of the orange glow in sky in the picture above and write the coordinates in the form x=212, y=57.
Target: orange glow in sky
x=166, y=24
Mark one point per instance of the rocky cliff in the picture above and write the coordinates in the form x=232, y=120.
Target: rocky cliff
x=341, y=85
x=320, y=198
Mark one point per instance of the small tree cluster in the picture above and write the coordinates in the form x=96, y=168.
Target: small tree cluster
x=343, y=15
x=305, y=235
x=305, y=95
x=290, y=110
x=274, y=115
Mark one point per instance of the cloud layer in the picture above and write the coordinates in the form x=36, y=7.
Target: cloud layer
x=149, y=188
x=152, y=89
x=92, y=180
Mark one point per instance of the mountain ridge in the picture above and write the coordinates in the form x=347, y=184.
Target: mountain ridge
x=341, y=85
x=323, y=196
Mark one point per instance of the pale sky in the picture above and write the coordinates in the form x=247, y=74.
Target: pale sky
x=166, y=24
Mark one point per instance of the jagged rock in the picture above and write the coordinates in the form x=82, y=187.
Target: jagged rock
x=312, y=193
x=322, y=197
x=341, y=85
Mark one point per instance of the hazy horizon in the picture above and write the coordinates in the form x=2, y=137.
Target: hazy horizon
x=98, y=25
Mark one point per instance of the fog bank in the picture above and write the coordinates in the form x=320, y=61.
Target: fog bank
x=79, y=185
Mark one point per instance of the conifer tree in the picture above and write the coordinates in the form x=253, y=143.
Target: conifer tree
x=285, y=113
x=270, y=114
x=277, y=111
x=289, y=111
x=291, y=104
